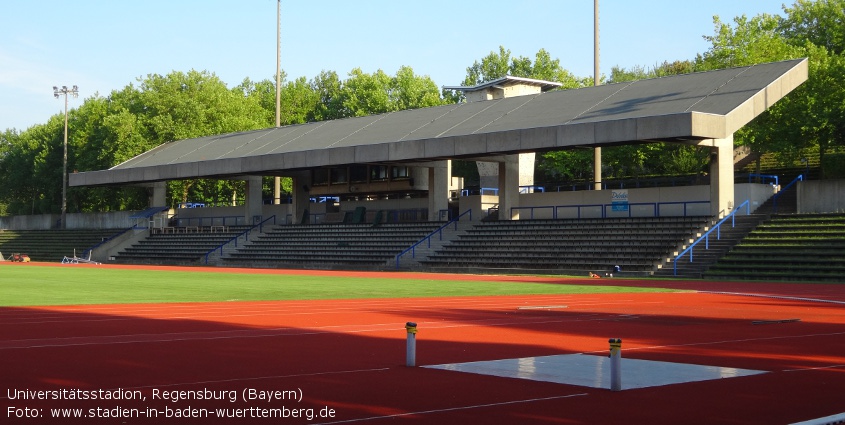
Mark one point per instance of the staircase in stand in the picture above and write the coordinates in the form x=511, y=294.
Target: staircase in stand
x=704, y=254
x=785, y=202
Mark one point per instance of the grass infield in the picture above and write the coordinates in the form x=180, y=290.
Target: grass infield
x=34, y=285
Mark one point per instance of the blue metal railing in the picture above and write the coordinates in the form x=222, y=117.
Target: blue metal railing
x=495, y=191
x=438, y=232
x=763, y=178
x=717, y=229
x=652, y=208
x=777, y=195
x=260, y=227
x=201, y=221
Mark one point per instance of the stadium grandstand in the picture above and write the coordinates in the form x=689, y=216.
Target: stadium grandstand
x=376, y=192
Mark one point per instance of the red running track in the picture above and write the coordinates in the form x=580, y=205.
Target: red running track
x=349, y=356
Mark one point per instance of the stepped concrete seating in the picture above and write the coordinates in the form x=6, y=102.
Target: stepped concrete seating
x=330, y=245
x=634, y=244
x=805, y=247
x=52, y=245
x=178, y=245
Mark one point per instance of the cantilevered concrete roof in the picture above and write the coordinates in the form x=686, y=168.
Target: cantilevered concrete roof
x=692, y=107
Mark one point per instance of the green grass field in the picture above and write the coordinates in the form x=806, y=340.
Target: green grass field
x=31, y=285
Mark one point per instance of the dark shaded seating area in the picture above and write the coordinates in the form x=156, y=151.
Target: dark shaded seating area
x=634, y=244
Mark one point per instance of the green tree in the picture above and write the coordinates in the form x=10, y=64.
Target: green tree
x=31, y=169
x=497, y=65
x=746, y=42
x=366, y=94
x=665, y=69
x=410, y=91
x=298, y=99
x=811, y=117
x=329, y=106
x=491, y=67
x=816, y=115
x=106, y=131
x=819, y=22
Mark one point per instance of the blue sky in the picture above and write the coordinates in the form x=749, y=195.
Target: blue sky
x=104, y=45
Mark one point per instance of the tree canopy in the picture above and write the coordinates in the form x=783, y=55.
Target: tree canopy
x=107, y=130
x=812, y=117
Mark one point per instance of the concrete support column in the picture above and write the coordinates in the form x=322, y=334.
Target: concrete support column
x=439, y=175
x=597, y=184
x=277, y=190
x=300, y=198
x=721, y=176
x=159, y=198
x=489, y=171
x=254, y=200
x=509, y=188
x=526, y=168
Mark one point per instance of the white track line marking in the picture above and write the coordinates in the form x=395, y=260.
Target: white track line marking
x=777, y=297
x=836, y=366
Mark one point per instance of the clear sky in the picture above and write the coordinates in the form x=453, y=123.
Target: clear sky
x=104, y=45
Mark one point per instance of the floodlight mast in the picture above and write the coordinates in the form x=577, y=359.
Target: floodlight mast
x=596, y=81
x=277, y=181
x=57, y=92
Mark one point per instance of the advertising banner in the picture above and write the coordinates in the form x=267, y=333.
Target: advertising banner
x=619, y=200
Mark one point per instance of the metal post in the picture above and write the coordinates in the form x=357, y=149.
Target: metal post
x=596, y=82
x=277, y=181
x=57, y=93
x=411, y=345
x=615, y=364
x=64, y=173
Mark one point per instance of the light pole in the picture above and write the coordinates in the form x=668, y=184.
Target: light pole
x=596, y=82
x=58, y=92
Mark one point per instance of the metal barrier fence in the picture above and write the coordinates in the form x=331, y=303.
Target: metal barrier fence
x=637, y=209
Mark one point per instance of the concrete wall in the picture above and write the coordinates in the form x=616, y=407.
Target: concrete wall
x=479, y=204
x=671, y=201
x=104, y=220
x=387, y=204
x=821, y=196
x=757, y=194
